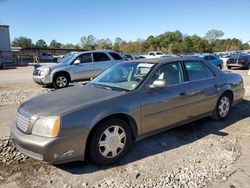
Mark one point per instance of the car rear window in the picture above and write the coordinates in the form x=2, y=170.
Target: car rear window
x=115, y=56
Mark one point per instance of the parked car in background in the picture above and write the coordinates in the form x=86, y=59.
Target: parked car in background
x=212, y=59
x=241, y=61
x=76, y=66
x=155, y=54
x=45, y=56
x=128, y=57
x=129, y=101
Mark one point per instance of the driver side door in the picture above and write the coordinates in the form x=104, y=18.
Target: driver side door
x=83, y=67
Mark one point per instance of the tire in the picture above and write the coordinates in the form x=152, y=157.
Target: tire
x=107, y=147
x=223, y=107
x=61, y=81
x=1, y=66
x=228, y=67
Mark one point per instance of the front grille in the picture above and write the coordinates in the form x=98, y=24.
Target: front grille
x=35, y=72
x=22, y=122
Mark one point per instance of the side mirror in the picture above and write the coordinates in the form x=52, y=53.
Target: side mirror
x=158, y=84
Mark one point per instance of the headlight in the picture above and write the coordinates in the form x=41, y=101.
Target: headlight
x=47, y=126
x=44, y=72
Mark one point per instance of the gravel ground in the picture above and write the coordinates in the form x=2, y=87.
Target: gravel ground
x=194, y=155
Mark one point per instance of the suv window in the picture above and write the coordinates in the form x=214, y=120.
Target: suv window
x=84, y=58
x=99, y=56
x=206, y=58
x=212, y=57
x=170, y=72
x=115, y=56
x=197, y=70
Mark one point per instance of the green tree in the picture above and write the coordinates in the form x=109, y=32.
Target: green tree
x=104, y=44
x=69, y=46
x=55, y=44
x=88, y=43
x=41, y=44
x=214, y=34
x=23, y=42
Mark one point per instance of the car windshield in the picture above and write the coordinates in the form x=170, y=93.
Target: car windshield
x=68, y=57
x=123, y=76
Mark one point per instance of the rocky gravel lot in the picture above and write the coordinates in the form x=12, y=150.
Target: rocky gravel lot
x=205, y=153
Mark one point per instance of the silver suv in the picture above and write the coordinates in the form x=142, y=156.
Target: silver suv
x=76, y=66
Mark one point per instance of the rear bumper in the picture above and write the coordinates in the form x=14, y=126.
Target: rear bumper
x=51, y=150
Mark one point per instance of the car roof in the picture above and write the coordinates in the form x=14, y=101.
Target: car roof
x=167, y=59
x=91, y=51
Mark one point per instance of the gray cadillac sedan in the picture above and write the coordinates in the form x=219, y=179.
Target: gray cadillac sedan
x=127, y=102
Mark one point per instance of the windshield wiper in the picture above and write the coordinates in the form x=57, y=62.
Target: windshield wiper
x=101, y=86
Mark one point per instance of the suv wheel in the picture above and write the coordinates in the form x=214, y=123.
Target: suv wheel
x=60, y=81
x=222, y=108
x=1, y=65
x=110, y=142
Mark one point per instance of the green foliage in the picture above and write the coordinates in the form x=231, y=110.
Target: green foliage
x=23, y=42
x=41, y=44
x=214, y=34
x=55, y=44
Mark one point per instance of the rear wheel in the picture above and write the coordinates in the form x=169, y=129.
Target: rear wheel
x=110, y=142
x=223, y=107
x=60, y=81
x=228, y=67
x=1, y=65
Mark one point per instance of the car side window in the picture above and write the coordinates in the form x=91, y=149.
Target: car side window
x=152, y=54
x=197, y=70
x=171, y=73
x=206, y=58
x=84, y=58
x=115, y=56
x=99, y=56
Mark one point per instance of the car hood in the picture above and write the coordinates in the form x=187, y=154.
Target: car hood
x=64, y=100
x=51, y=65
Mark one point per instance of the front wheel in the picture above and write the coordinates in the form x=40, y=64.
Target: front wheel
x=222, y=108
x=110, y=142
x=60, y=81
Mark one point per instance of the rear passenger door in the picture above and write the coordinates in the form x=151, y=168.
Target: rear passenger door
x=203, y=87
x=101, y=62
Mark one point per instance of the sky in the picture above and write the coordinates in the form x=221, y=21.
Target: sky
x=68, y=20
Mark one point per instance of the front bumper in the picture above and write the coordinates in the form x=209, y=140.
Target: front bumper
x=51, y=150
x=42, y=80
x=235, y=65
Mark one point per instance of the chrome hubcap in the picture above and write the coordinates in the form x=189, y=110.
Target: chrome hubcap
x=224, y=106
x=61, y=81
x=112, y=141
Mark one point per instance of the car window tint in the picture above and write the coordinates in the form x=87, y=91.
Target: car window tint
x=197, y=70
x=206, y=58
x=99, y=56
x=171, y=73
x=85, y=58
x=152, y=54
x=212, y=57
x=115, y=56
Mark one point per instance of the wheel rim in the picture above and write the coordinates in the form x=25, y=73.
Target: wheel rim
x=112, y=141
x=224, y=106
x=61, y=81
